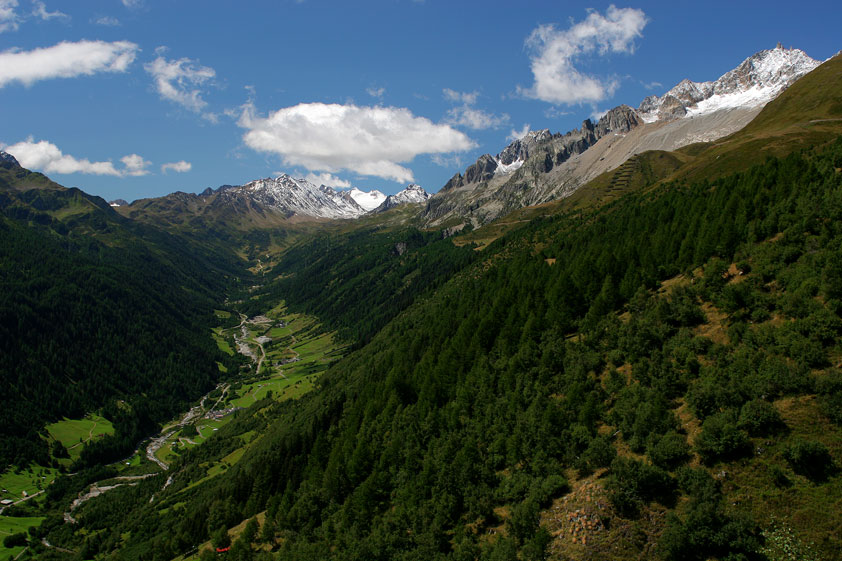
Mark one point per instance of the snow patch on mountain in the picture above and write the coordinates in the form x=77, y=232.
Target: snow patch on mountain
x=295, y=196
x=754, y=83
x=369, y=200
x=412, y=194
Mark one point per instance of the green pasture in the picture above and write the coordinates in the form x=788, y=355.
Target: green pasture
x=73, y=433
x=13, y=525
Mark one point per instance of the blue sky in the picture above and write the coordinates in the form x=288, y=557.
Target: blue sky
x=139, y=98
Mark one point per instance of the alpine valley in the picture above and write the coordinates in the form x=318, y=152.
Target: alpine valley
x=618, y=342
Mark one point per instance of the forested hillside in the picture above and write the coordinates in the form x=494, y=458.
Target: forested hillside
x=90, y=302
x=355, y=282
x=655, y=378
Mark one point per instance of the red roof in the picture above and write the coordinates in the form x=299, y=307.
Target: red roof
x=222, y=549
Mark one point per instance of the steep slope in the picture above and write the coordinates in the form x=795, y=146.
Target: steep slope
x=96, y=309
x=557, y=165
x=569, y=384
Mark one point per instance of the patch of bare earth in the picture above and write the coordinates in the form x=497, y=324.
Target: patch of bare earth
x=584, y=526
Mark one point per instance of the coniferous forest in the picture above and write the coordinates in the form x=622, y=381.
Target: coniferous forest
x=661, y=352
x=644, y=371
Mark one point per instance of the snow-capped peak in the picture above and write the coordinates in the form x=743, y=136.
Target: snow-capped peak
x=754, y=83
x=296, y=196
x=412, y=194
x=369, y=200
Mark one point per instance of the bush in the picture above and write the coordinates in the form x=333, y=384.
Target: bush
x=600, y=453
x=810, y=459
x=15, y=540
x=669, y=451
x=720, y=439
x=633, y=483
x=760, y=418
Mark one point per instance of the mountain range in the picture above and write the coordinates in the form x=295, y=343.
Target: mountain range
x=539, y=167
x=621, y=342
x=544, y=166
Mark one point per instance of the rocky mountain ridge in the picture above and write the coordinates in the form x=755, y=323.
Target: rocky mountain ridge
x=413, y=194
x=542, y=166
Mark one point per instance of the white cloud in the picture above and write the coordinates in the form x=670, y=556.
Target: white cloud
x=367, y=140
x=107, y=21
x=453, y=161
x=135, y=165
x=178, y=167
x=553, y=112
x=474, y=118
x=175, y=78
x=132, y=3
x=376, y=92
x=65, y=60
x=468, y=98
x=46, y=156
x=327, y=179
x=39, y=10
x=518, y=134
x=466, y=115
x=554, y=54
x=8, y=18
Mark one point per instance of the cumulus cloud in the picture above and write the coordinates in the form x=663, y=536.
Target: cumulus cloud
x=327, y=179
x=178, y=167
x=8, y=18
x=39, y=10
x=135, y=165
x=367, y=140
x=46, y=156
x=466, y=115
x=180, y=81
x=556, y=52
x=65, y=60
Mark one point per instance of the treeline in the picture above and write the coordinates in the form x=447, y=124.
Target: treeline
x=95, y=311
x=356, y=282
x=465, y=412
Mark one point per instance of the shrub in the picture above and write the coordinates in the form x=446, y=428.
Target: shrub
x=760, y=418
x=720, y=439
x=810, y=459
x=669, y=451
x=15, y=540
x=633, y=483
x=600, y=453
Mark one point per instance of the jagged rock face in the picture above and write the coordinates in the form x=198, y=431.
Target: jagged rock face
x=542, y=166
x=482, y=170
x=621, y=119
x=8, y=161
x=455, y=181
x=522, y=148
x=671, y=108
x=755, y=82
x=291, y=196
